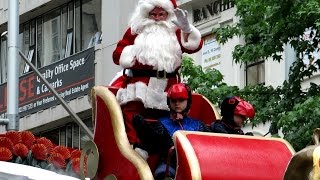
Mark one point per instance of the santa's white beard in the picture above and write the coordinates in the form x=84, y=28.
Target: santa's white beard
x=157, y=45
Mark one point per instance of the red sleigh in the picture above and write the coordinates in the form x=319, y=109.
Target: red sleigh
x=199, y=155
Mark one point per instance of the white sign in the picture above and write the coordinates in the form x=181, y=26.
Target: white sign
x=211, y=53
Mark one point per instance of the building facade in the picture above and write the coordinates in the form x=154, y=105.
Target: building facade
x=61, y=39
x=71, y=42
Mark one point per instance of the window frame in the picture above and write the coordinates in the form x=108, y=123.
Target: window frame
x=255, y=64
x=30, y=56
x=62, y=136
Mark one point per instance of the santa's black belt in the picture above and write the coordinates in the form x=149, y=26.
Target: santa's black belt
x=149, y=73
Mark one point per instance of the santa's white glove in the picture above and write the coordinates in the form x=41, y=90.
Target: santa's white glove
x=144, y=154
x=182, y=20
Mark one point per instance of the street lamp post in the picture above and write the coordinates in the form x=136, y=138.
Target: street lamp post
x=13, y=66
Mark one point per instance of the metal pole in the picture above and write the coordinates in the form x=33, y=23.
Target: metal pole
x=63, y=103
x=13, y=66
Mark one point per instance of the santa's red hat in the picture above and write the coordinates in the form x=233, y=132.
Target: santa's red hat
x=143, y=9
x=168, y=5
x=174, y=3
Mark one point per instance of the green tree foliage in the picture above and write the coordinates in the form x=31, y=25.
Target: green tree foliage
x=266, y=26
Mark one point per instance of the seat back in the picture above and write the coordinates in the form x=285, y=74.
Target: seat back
x=116, y=157
x=202, y=109
x=230, y=157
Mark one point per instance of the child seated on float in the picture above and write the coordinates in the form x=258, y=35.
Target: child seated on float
x=157, y=135
x=234, y=112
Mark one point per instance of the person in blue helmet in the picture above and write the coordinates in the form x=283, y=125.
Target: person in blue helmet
x=159, y=134
x=234, y=112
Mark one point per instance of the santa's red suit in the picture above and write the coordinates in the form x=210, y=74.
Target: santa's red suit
x=150, y=53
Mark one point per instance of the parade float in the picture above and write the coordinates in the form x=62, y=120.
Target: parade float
x=200, y=155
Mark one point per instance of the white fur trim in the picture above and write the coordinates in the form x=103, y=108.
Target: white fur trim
x=194, y=39
x=141, y=91
x=152, y=95
x=156, y=98
x=142, y=12
x=127, y=57
x=131, y=91
x=148, y=5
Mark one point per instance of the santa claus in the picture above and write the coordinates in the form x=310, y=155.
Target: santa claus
x=150, y=53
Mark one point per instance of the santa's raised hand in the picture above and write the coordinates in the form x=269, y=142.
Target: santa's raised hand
x=182, y=20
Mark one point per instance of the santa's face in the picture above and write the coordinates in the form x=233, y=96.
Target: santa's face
x=156, y=43
x=158, y=14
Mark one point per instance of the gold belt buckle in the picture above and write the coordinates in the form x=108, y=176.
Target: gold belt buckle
x=164, y=75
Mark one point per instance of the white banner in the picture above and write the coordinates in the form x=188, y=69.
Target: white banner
x=211, y=53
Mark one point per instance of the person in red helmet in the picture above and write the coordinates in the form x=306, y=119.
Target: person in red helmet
x=159, y=134
x=234, y=112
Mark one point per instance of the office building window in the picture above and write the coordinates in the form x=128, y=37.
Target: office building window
x=64, y=28
x=83, y=137
x=77, y=26
x=57, y=34
x=53, y=135
x=68, y=135
x=91, y=18
x=255, y=73
x=62, y=135
x=52, y=36
x=39, y=42
x=3, y=61
x=76, y=137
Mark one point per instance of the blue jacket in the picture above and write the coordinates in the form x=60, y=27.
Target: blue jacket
x=186, y=123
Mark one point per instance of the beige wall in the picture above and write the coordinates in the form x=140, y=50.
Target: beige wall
x=55, y=116
x=274, y=73
x=115, y=17
x=314, y=79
